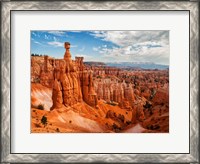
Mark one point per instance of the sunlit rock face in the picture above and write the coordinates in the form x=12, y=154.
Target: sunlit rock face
x=110, y=90
x=75, y=83
x=71, y=82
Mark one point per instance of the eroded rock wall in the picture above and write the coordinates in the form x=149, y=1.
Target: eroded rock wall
x=110, y=90
x=75, y=83
x=71, y=82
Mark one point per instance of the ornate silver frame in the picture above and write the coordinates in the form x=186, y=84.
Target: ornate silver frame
x=8, y=6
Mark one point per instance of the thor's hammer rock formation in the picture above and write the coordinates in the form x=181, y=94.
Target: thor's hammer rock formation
x=72, y=84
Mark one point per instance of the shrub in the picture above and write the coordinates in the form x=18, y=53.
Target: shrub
x=156, y=127
x=147, y=105
x=116, y=128
x=121, y=117
x=128, y=122
x=41, y=107
x=37, y=80
x=151, y=112
x=44, y=120
x=37, y=126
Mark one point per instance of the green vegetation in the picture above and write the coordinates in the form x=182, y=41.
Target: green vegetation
x=99, y=77
x=128, y=122
x=153, y=127
x=41, y=107
x=37, y=125
x=37, y=80
x=44, y=120
x=37, y=55
x=116, y=128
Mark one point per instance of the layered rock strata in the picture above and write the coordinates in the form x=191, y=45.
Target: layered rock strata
x=112, y=90
x=72, y=84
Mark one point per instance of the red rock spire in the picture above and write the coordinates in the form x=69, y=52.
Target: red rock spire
x=67, y=55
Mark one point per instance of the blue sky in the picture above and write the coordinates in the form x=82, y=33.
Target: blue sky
x=105, y=46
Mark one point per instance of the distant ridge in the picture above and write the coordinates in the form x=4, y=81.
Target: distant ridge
x=137, y=65
x=130, y=65
x=93, y=63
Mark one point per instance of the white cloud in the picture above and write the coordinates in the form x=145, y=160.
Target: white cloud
x=55, y=39
x=73, y=46
x=47, y=37
x=34, y=34
x=36, y=42
x=57, y=33
x=95, y=49
x=150, y=46
x=56, y=44
x=124, y=38
x=86, y=57
x=78, y=31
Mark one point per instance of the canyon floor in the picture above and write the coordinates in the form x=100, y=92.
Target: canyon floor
x=82, y=118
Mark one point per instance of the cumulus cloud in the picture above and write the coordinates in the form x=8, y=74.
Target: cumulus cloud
x=96, y=48
x=124, y=38
x=56, y=44
x=55, y=39
x=152, y=46
x=77, y=31
x=57, y=33
x=36, y=34
x=47, y=37
x=86, y=57
x=38, y=43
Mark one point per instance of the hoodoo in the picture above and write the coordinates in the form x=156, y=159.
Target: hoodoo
x=67, y=55
x=72, y=84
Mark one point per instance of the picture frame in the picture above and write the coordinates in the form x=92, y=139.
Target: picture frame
x=7, y=7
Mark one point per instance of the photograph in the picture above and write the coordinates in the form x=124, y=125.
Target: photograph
x=78, y=75
x=99, y=81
